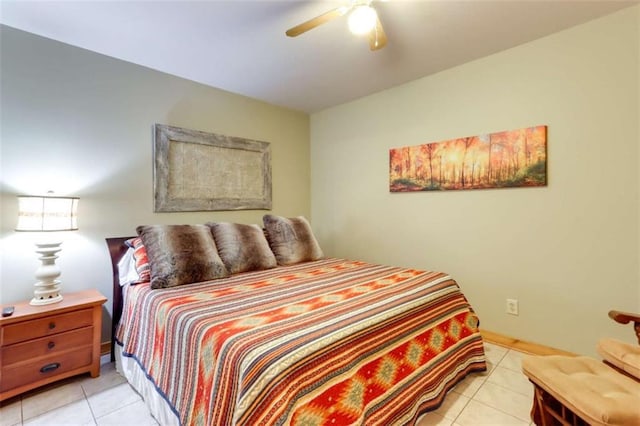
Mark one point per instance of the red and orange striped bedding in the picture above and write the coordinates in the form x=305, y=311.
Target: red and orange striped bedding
x=330, y=342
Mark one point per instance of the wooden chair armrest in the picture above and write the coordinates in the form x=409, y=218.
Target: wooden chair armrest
x=625, y=318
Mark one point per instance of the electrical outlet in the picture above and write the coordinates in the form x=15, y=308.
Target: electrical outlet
x=512, y=306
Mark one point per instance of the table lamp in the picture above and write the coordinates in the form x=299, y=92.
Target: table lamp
x=47, y=214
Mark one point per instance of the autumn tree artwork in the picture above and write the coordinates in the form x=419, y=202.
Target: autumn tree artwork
x=515, y=158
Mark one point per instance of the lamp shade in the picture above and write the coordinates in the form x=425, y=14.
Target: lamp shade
x=47, y=213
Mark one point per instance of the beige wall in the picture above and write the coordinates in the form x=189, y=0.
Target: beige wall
x=80, y=124
x=569, y=251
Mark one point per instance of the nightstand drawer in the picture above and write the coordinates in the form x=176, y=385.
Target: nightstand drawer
x=50, y=345
x=21, y=374
x=42, y=327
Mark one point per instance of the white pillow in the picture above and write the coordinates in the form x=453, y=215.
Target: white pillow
x=127, y=268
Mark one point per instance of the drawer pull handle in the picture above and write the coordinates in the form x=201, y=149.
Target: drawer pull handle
x=52, y=325
x=50, y=367
x=51, y=345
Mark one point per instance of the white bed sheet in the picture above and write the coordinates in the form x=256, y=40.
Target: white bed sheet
x=137, y=378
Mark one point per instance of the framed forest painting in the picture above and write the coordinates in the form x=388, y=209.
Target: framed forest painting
x=514, y=158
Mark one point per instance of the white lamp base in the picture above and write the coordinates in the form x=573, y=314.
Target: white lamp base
x=48, y=286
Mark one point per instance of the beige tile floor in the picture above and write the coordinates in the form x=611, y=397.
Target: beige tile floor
x=500, y=396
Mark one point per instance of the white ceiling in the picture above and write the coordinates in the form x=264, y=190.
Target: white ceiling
x=240, y=45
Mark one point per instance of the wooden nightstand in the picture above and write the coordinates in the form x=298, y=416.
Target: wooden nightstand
x=42, y=344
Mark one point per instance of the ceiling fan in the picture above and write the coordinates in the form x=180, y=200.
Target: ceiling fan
x=363, y=19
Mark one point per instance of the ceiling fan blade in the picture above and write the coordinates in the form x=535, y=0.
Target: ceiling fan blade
x=377, y=37
x=317, y=21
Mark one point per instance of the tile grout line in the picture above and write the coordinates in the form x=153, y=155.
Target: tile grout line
x=121, y=406
x=485, y=381
x=500, y=408
x=473, y=395
x=461, y=411
x=86, y=398
x=508, y=369
x=504, y=387
x=507, y=388
x=503, y=412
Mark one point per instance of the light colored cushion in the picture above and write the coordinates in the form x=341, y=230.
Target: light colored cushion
x=127, y=273
x=291, y=239
x=181, y=254
x=589, y=388
x=623, y=355
x=242, y=247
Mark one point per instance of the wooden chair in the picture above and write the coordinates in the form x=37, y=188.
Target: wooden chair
x=626, y=318
x=584, y=391
x=620, y=355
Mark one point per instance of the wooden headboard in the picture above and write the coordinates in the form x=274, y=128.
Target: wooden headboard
x=117, y=249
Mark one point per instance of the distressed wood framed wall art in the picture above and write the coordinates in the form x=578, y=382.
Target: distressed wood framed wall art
x=199, y=171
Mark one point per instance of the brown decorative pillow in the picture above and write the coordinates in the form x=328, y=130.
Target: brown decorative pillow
x=181, y=254
x=291, y=239
x=242, y=247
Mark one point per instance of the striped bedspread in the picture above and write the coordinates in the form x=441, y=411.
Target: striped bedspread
x=330, y=342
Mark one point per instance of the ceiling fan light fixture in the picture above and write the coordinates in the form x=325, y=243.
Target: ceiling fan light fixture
x=362, y=20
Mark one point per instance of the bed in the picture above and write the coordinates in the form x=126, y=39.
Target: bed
x=323, y=341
